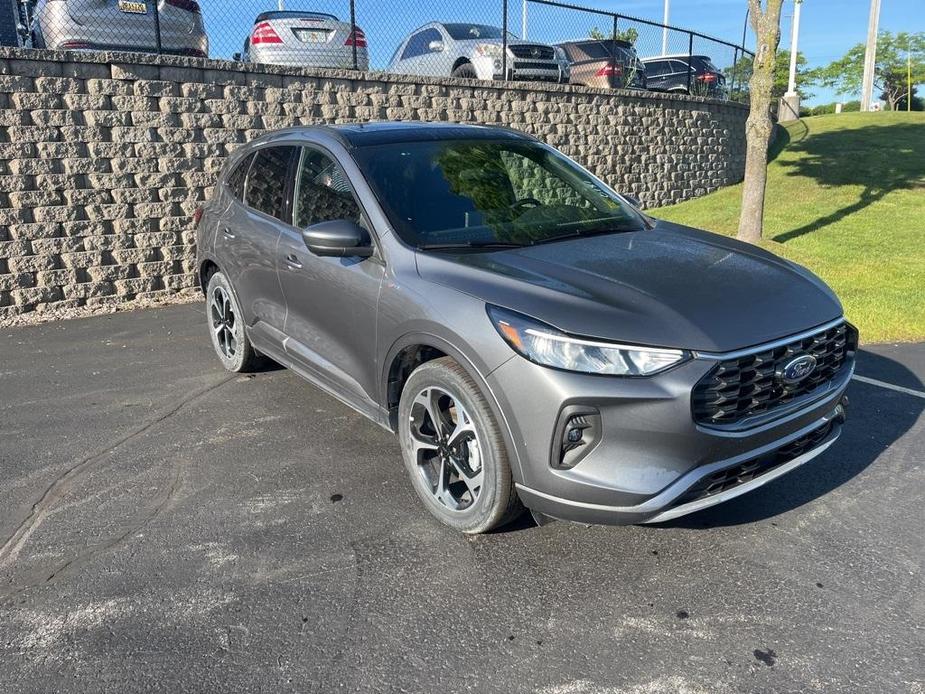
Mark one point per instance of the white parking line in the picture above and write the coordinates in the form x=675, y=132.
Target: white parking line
x=889, y=386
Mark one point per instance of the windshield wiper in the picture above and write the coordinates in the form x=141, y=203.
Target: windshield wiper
x=582, y=232
x=468, y=244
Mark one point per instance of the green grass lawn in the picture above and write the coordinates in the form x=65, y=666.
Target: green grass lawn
x=845, y=198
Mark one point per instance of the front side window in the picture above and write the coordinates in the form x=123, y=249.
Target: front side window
x=267, y=179
x=322, y=192
x=475, y=193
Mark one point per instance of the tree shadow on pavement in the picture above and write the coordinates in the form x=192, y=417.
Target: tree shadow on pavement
x=880, y=158
x=876, y=419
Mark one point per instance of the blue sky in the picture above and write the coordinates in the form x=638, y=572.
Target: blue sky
x=827, y=27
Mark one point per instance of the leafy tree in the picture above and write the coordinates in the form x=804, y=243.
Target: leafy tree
x=629, y=35
x=846, y=74
x=764, y=17
x=739, y=74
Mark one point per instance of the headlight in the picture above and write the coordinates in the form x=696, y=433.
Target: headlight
x=488, y=50
x=545, y=345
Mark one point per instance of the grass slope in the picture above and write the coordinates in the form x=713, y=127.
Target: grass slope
x=845, y=198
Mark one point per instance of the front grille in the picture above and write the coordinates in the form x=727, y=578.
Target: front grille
x=535, y=65
x=745, y=472
x=750, y=385
x=535, y=52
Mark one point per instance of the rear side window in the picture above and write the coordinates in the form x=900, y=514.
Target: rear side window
x=267, y=179
x=238, y=176
x=322, y=192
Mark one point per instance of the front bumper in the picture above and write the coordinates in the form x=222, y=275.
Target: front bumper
x=651, y=461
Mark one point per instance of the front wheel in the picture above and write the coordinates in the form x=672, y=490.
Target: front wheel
x=453, y=449
x=465, y=71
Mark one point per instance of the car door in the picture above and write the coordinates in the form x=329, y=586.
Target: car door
x=248, y=234
x=331, y=302
x=655, y=74
x=677, y=74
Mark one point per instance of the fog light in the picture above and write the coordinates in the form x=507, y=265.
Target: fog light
x=577, y=432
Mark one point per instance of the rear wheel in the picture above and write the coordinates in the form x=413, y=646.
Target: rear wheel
x=226, y=327
x=453, y=449
x=466, y=71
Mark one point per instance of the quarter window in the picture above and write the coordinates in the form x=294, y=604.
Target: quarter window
x=322, y=192
x=266, y=181
x=236, y=178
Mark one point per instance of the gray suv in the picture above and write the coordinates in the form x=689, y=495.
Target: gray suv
x=528, y=333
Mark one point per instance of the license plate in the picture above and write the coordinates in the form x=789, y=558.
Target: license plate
x=311, y=35
x=133, y=7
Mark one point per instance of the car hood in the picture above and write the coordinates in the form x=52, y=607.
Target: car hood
x=669, y=286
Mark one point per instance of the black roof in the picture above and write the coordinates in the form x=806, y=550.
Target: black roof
x=388, y=132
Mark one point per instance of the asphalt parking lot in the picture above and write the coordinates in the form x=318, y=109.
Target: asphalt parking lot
x=165, y=526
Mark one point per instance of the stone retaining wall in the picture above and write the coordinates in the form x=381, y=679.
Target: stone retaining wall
x=104, y=157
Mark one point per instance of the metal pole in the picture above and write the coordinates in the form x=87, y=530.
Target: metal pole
x=690, y=53
x=613, y=55
x=908, y=81
x=794, y=47
x=523, y=21
x=280, y=5
x=504, y=40
x=735, y=70
x=353, y=31
x=745, y=26
x=665, y=28
x=157, y=26
x=870, y=55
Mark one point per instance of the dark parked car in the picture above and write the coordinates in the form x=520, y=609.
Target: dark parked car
x=529, y=334
x=607, y=64
x=669, y=73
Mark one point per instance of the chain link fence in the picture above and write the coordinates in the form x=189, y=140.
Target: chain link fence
x=481, y=39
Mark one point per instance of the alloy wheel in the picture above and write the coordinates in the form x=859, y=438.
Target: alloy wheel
x=223, y=322
x=446, y=448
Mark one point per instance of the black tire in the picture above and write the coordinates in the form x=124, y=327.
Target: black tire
x=465, y=71
x=496, y=502
x=229, y=338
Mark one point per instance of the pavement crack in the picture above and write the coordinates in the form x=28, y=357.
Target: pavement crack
x=63, y=482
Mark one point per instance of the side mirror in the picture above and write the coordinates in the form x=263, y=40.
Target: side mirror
x=436, y=46
x=341, y=238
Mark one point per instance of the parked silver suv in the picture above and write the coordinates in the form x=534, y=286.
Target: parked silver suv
x=121, y=25
x=475, y=51
x=527, y=332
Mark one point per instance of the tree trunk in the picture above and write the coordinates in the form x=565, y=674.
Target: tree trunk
x=766, y=25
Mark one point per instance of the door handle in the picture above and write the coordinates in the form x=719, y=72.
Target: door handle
x=293, y=261
x=227, y=232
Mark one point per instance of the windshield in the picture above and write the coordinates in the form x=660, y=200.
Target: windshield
x=482, y=193
x=465, y=32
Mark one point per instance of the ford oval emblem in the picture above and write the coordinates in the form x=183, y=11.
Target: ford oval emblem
x=797, y=369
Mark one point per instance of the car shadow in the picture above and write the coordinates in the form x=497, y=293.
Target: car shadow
x=876, y=418
x=878, y=158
